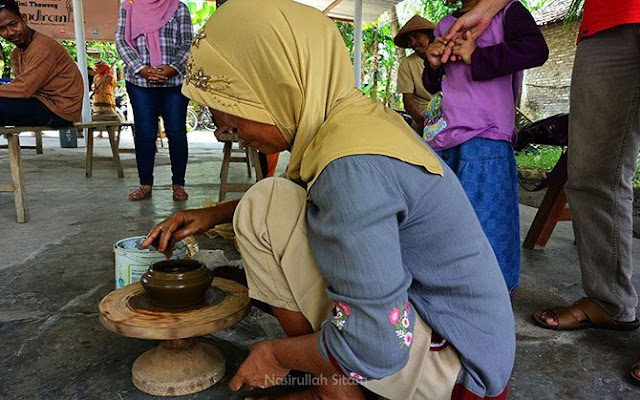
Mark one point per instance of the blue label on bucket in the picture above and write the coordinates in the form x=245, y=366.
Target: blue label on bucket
x=136, y=272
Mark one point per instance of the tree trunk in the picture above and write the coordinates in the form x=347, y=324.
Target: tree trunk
x=395, y=27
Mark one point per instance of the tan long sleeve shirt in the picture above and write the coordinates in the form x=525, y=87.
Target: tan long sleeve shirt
x=410, y=81
x=46, y=71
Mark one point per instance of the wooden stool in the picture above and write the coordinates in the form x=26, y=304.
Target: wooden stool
x=242, y=149
x=17, y=177
x=113, y=128
x=228, y=138
x=552, y=209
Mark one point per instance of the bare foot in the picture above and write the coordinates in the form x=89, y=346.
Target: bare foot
x=550, y=318
x=340, y=391
x=635, y=371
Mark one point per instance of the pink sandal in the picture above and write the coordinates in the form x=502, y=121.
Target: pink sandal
x=140, y=193
x=179, y=194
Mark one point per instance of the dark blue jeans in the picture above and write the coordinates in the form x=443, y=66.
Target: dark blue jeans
x=28, y=112
x=148, y=104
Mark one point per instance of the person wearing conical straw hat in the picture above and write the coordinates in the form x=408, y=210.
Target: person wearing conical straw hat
x=416, y=34
x=369, y=254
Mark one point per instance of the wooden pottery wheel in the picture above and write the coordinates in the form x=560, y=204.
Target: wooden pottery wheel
x=180, y=364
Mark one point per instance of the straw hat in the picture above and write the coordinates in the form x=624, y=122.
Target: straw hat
x=416, y=23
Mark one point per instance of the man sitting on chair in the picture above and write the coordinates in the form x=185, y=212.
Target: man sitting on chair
x=47, y=89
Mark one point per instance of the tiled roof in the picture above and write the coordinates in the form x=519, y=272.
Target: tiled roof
x=554, y=11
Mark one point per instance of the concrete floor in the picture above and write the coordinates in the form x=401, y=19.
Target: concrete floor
x=55, y=269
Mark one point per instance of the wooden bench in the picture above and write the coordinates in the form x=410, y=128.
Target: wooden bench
x=17, y=187
x=17, y=177
x=229, y=138
x=37, y=131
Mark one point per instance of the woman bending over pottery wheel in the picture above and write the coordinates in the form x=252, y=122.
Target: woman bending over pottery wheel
x=369, y=253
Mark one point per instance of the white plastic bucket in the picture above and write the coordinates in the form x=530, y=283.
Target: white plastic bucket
x=132, y=261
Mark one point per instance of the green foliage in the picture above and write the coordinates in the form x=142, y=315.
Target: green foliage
x=533, y=5
x=7, y=48
x=434, y=11
x=544, y=158
x=70, y=46
x=379, y=82
x=636, y=177
x=574, y=13
x=538, y=157
x=346, y=30
x=200, y=12
x=109, y=53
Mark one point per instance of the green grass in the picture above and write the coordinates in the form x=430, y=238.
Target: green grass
x=540, y=157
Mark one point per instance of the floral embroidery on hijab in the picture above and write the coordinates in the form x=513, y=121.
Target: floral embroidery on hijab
x=198, y=37
x=341, y=312
x=400, y=321
x=198, y=78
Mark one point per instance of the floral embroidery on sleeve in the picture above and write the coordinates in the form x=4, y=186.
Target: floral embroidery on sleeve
x=356, y=376
x=400, y=321
x=341, y=312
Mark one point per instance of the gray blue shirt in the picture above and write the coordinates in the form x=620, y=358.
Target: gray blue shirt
x=394, y=242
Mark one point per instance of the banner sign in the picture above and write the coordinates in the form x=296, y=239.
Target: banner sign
x=55, y=18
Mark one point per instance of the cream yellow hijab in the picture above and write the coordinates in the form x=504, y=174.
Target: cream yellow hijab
x=282, y=63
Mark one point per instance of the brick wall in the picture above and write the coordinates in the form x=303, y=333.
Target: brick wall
x=546, y=89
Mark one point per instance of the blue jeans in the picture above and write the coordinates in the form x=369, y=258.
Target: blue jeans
x=28, y=112
x=488, y=173
x=148, y=104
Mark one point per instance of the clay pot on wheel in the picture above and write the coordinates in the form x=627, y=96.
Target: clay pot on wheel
x=177, y=283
